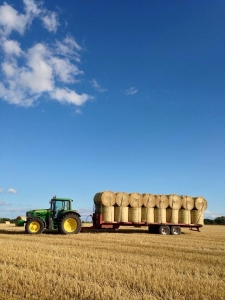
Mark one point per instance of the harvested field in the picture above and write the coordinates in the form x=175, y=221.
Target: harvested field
x=127, y=264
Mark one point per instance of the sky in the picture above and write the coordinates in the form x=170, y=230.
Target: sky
x=111, y=95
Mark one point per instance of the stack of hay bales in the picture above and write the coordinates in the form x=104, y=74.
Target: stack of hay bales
x=104, y=203
x=149, y=208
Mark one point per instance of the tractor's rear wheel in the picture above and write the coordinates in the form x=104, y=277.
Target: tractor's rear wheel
x=34, y=226
x=70, y=224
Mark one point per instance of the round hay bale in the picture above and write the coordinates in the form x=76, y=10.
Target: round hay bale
x=147, y=214
x=122, y=199
x=200, y=203
x=134, y=214
x=184, y=216
x=161, y=201
x=197, y=217
x=135, y=200
x=148, y=200
x=172, y=215
x=121, y=214
x=98, y=209
x=108, y=213
x=174, y=201
x=187, y=202
x=105, y=198
x=160, y=215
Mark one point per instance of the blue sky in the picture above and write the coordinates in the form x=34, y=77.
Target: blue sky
x=111, y=95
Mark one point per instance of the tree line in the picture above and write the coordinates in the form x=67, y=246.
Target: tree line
x=216, y=221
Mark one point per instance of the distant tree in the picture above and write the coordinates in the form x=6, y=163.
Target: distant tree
x=220, y=220
x=208, y=222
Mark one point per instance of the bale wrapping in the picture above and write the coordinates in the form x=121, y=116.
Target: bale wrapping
x=160, y=215
x=121, y=214
x=197, y=217
x=172, y=215
x=135, y=200
x=187, y=202
x=200, y=203
x=108, y=213
x=161, y=201
x=184, y=216
x=148, y=200
x=174, y=201
x=147, y=214
x=106, y=198
x=122, y=199
x=134, y=214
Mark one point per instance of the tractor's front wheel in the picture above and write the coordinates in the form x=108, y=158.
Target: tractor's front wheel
x=34, y=226
x=70, y=224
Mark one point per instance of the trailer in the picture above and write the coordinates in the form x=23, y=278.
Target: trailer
x=160, y=228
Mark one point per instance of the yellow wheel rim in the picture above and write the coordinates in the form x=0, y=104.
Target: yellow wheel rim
x=34, y=226
x=70, y=225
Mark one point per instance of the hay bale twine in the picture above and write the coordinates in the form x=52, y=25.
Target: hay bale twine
x=184, y=216
x=200, y=203
x=148, y=200
x=106, y=198
x=161, y=201
x=187, y=202
x=172, y=215
x=122, y=199
x=121, y=214
x=134, y=214
x=160, y=215
x=147, y=214
x=135, y=200
x=19, y=218
x=174, y=201
x=197, y=217
x=108, y=213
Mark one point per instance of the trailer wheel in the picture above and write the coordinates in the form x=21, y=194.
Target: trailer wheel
x=153, y=229
x=164, y=229
x=70, y=224
x=175, y=230
x=34, y=226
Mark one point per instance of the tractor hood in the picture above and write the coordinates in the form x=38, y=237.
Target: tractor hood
x=37, y=213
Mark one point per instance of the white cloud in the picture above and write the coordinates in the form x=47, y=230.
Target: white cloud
x=10, y=20
x=12, y=191
x=12, y=47
x=3, y=203
x=1, y=190
x=69, y=96
x=131, y=91
x=97, y=86
x=50, y=21
x=28, y=74
x=212, y=215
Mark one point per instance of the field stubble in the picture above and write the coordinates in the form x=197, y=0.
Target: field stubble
x=128, y=264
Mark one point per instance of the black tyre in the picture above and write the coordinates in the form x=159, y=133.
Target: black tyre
x=164, y=229
x=153, y=229
x=34, y=226
x=175, y=230
x=70, y=224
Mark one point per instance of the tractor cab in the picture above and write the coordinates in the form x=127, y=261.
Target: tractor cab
x=60, y=205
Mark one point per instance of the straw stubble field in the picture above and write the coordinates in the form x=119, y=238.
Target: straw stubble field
x=128, y=264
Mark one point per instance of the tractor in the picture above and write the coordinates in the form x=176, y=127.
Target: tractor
x=60, y=216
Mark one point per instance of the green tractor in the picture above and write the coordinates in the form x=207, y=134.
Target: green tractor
x=60, y=216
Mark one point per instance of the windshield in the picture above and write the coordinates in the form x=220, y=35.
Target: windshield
x=59, y=205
